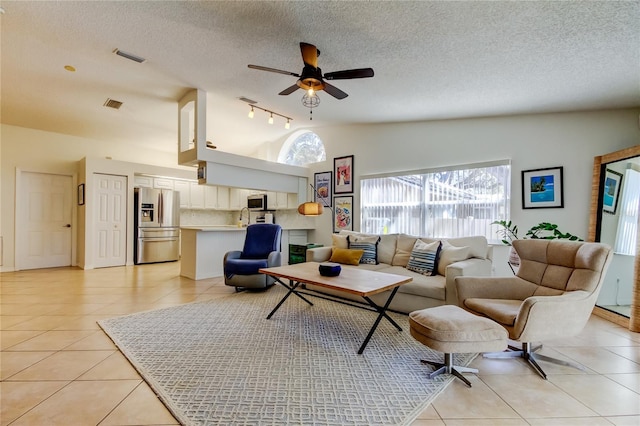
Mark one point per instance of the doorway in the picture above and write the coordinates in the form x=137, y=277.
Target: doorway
x=110, y=220
x=43, y=220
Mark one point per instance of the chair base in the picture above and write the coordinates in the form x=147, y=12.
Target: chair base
x=530, y=355
x=448, y=368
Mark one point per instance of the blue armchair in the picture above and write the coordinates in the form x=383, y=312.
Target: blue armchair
x=261, y=250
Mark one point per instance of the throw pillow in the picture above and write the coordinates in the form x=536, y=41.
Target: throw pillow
x=346, y=256
x=424, y=257
x=404, y=246
x=369, y=245
x=339, y=241
x=450, y=254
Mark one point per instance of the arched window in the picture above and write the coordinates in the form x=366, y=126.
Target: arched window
x=302, y=148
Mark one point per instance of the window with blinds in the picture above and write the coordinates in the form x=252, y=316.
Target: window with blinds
x=451, y=202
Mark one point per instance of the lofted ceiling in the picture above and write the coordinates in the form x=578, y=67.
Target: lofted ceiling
x=432, y=60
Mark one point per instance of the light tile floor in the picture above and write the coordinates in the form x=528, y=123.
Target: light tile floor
x=57, y=367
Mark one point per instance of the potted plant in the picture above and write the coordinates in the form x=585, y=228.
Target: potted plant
x=544, y=230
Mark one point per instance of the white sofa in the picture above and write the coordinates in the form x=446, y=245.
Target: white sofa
x=465, y=256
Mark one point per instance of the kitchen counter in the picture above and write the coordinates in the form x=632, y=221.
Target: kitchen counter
x=203, y=247
x=214, y=228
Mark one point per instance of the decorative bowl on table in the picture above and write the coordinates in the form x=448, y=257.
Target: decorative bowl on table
x=329, y=269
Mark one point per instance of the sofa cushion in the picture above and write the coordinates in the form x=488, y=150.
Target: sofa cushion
x=404, y=245
x=450, y=254
x=339, y=241
x=478, y=245
x=346, y=256
x=432, y=287
x=368, y=244
x=423, y=257
x=386, y=246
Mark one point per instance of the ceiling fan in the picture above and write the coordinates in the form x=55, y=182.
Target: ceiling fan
x=311, y=77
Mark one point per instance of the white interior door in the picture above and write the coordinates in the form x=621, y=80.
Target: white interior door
x=43, y=221
x=111, y=222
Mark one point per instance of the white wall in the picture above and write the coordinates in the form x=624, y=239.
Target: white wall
x=533, y=141
x=570, y=140
x=46, y=152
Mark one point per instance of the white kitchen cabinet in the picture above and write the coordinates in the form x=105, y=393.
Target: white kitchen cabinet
x=182, y=186
x=164, y=183
x=210, y=197
x=143, y=181
x=292, y=200
x=216, y=197
x=238, y=198
x=196, y=195
x=277, y=201
x=223, y=198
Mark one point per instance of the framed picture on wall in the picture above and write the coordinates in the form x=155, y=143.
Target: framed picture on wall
x=343, y=213
x=542, y=188
x=323, y=185
x=81, y=194
x=612, y=184
x=343, y=171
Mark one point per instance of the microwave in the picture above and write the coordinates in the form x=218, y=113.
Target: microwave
x=257, y=202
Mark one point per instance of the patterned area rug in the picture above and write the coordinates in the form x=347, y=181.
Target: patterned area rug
x=222, y=363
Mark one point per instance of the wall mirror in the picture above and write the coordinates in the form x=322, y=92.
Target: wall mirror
x=614, y=220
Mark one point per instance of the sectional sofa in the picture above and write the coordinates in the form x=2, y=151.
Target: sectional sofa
x=466, y=256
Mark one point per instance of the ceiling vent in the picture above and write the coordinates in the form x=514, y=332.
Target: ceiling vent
x=247, y=100
x=111, y=103
x=129, y=56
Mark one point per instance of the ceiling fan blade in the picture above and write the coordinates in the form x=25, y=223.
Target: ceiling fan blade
x=348, y=74
x=309, y=54
x=334, y=91
x=289, y=90
x=261, y=68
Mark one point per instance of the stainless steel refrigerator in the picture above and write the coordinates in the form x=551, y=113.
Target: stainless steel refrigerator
x=157, y=225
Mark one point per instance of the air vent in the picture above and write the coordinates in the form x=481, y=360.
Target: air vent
x=111, y=103
x=129, y=56
x=247, y=100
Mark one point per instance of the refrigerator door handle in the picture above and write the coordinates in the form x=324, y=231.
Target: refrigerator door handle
x=160, y=209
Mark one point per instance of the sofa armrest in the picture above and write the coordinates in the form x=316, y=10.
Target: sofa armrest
x=540, y=316
x=470, y=267
x=319, y=254
x=235, y=254
x=274, y=259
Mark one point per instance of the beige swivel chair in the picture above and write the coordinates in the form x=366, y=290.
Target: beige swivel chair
x=551, y=296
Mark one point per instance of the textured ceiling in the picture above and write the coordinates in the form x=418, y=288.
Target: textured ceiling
x=432, y=60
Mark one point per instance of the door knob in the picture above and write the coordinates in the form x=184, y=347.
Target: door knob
x=68, y=225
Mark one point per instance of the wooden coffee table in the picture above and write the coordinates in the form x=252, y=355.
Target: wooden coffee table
x=360, y=282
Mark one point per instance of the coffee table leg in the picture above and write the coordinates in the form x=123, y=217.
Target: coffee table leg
x=292, y=289
x=382, y=312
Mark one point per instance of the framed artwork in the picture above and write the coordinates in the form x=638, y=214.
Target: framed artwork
x=612, y=184
x=542, y=188
x=343, y=171
x=323, y=185
x=343, y=213
x=81, y=194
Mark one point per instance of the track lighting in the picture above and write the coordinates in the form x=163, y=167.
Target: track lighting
x=251, y=114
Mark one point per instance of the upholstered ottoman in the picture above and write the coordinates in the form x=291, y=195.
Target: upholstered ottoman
x=451, y=329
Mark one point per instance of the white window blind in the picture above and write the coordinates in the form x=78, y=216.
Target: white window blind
x=628, y=222
x=452, y=202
